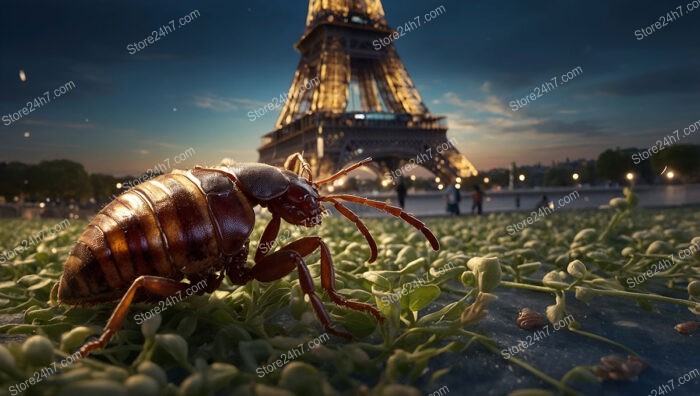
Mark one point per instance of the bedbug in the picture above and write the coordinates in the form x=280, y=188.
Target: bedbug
x=195, y=226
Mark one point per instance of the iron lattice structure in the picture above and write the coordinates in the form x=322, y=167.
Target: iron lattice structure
x=364, y=104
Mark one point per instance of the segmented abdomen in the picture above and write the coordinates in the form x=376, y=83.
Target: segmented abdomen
x=174, y=226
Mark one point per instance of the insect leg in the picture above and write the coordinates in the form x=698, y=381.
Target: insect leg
x=280, y=263
x=269, y=235
x=349, y=214
x=307, y=245
x=161, y=286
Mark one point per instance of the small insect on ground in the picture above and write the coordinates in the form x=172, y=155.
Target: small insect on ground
x=196, y=226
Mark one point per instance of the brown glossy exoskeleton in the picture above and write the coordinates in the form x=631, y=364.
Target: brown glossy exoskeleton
x=196, y=225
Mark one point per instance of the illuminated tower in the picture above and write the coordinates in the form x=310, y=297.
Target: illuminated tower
x=352, y=98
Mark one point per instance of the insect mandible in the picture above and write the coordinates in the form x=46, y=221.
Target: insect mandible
x=195, y=226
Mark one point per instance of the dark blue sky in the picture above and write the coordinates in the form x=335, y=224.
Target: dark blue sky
x=468, y=64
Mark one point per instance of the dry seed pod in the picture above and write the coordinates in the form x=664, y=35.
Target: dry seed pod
x=529, y=319
x=614, y=368
x=687, y=327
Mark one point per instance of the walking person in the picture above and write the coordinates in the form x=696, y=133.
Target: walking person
x=401, y=191
x=453, y=199
x=477, y=199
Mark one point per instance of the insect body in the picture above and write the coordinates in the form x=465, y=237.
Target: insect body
x=196, y=226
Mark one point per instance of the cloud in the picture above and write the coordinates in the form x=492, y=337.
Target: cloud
x=678, y=80
x=490, y=105
x=222, y=104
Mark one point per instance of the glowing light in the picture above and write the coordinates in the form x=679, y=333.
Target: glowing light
x=22, y=76
x=119, y=185
x=458, y=180
x=437, y=180
x=385, y=183
x=487, y=180
x=26, y=134
x=630, y=176
x=458, y=186
x=670, y=175
x=42, y=205
x=521, y=177
x=440, y=186
x=413, y=177
x=331, y=188
x=575, y=176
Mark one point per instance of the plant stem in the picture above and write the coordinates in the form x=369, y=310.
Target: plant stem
x=526, y=366
x=525, y=286
x=601, y=338
x=643, y=296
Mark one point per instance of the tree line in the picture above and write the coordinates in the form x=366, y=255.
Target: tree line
x=68, y=181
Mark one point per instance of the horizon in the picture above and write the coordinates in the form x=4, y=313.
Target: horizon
x=134, y=105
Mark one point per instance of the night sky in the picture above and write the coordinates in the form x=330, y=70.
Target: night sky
x=195, y=86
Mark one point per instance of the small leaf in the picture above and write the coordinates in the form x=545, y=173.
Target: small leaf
x=374, y=277
x=420, y=297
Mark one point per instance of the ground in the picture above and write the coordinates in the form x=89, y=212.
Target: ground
x=263, y=339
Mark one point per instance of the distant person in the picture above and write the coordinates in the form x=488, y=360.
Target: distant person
x=543, y=203
x=517, y=201
x=401, y=193
x=477, y=199
x=453, y=199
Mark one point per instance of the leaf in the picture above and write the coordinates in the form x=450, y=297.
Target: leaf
x=377, y=279
x=420, y=297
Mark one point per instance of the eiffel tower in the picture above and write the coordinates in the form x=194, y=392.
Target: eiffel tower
x=350, y=100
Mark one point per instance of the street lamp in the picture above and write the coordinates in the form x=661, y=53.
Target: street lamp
x=629, y=176
x=521, y=177
x=575, y=176
x=486, y=180
x=670, y=175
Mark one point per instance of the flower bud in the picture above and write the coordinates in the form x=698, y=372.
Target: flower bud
x=660, y=247
x=577, y=269
x=154, y=371
x=694, y=289
x=141, y=384
x=175, y=345
x=586, y=235
x=584, y=294
x=150, y=326
x=619, y=203
x=193, y=385
x=487, y=271
x=38, y=350
x=554, y=280
x=7, y=361
x=468, y=278
x=557, y=312
x=76, y=337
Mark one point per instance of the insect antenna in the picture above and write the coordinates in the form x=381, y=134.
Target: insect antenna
x=392, y=210
x=343, y=172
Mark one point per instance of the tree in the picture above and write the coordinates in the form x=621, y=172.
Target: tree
x=612, y=165
x=104, y=187
x=683, y=159
x=59, y=179
x=12, y=177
